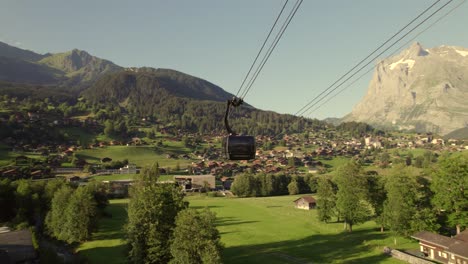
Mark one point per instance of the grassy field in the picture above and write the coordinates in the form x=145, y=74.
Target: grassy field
x=139, y=155
x=263, y=230
x=115, y=177
x=108, y=244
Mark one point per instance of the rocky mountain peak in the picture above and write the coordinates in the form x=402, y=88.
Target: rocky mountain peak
x=416, y=50
x=421, y=89
x=78, y=59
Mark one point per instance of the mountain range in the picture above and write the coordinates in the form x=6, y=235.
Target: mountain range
x=419, y=89
x=78, y=72
x=169, y=99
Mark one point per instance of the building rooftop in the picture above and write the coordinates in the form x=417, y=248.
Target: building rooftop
x=433, y=238
x=17, y=246
x=308, y=199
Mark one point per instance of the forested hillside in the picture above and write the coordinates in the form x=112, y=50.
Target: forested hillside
x=75, y=84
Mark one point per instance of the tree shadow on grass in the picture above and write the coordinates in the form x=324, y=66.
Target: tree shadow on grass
x=88, y=157
x=205, y=206
x=112, y=226
x=113, y=254
x=227, y=221
x=330, y=248
x=170, y=150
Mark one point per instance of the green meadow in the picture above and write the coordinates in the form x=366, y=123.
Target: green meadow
x=108, y=244
x=116, y=177
x=139, y=155
x=262, y=230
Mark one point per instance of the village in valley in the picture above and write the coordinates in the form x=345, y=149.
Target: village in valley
x=310, y=152
x=296, y=163
x=157, y=159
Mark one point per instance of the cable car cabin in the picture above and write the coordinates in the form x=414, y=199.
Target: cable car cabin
x=239, y=147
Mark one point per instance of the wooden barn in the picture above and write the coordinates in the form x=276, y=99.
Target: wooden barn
x=305, y=202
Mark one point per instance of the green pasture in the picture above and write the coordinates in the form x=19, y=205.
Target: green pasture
x=7, y=157
x=107, y=244
x=115, y=177
x=334, y=163
x=139, y=155
x=262, y=230
x=79, y=134
x=271, y=230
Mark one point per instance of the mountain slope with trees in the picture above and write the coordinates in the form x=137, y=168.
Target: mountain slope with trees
x=75, y=68
x=89, y=86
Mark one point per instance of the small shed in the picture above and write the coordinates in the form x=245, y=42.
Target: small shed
x=305, y=202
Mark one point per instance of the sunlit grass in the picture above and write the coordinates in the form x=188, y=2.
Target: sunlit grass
x=262, y=230
x=140, y=155
x=108, y=243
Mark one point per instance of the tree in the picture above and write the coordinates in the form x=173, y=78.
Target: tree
x=245, y=185
x=450, y=187
x=312, y=181
x=196, y=239
x=326, y=200
x=418, y=162
x=109, y=128
x=7, y=200
x=424, y=219
x=24, y=202
x=99, y=191
x=55, y=220
x=152, y=210
x=377, y=197
x=351, y=197
x=79, y=216
x=384, y=159
x=400, y=204
x=293, y=187
x=266, y=182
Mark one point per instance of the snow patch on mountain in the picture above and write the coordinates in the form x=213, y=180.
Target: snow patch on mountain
x=410, y=63
x=462, y=52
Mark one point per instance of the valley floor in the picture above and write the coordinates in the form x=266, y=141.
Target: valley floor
x=261, y=230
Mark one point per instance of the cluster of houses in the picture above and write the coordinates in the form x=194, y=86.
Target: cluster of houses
x=189, y=183
x=24, y=167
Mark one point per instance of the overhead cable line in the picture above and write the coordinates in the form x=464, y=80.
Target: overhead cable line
x=393, y=53
x=267, y=53
x=306, y=107
x=261, y=49
x=272, y=46
x=310, y=104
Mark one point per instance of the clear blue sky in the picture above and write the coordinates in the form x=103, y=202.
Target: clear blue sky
x=217, y=40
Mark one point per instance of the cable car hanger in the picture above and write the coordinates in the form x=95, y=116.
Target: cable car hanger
x=237, y=147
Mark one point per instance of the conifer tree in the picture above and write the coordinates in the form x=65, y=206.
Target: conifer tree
x=196, y=239
x=152, y=210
